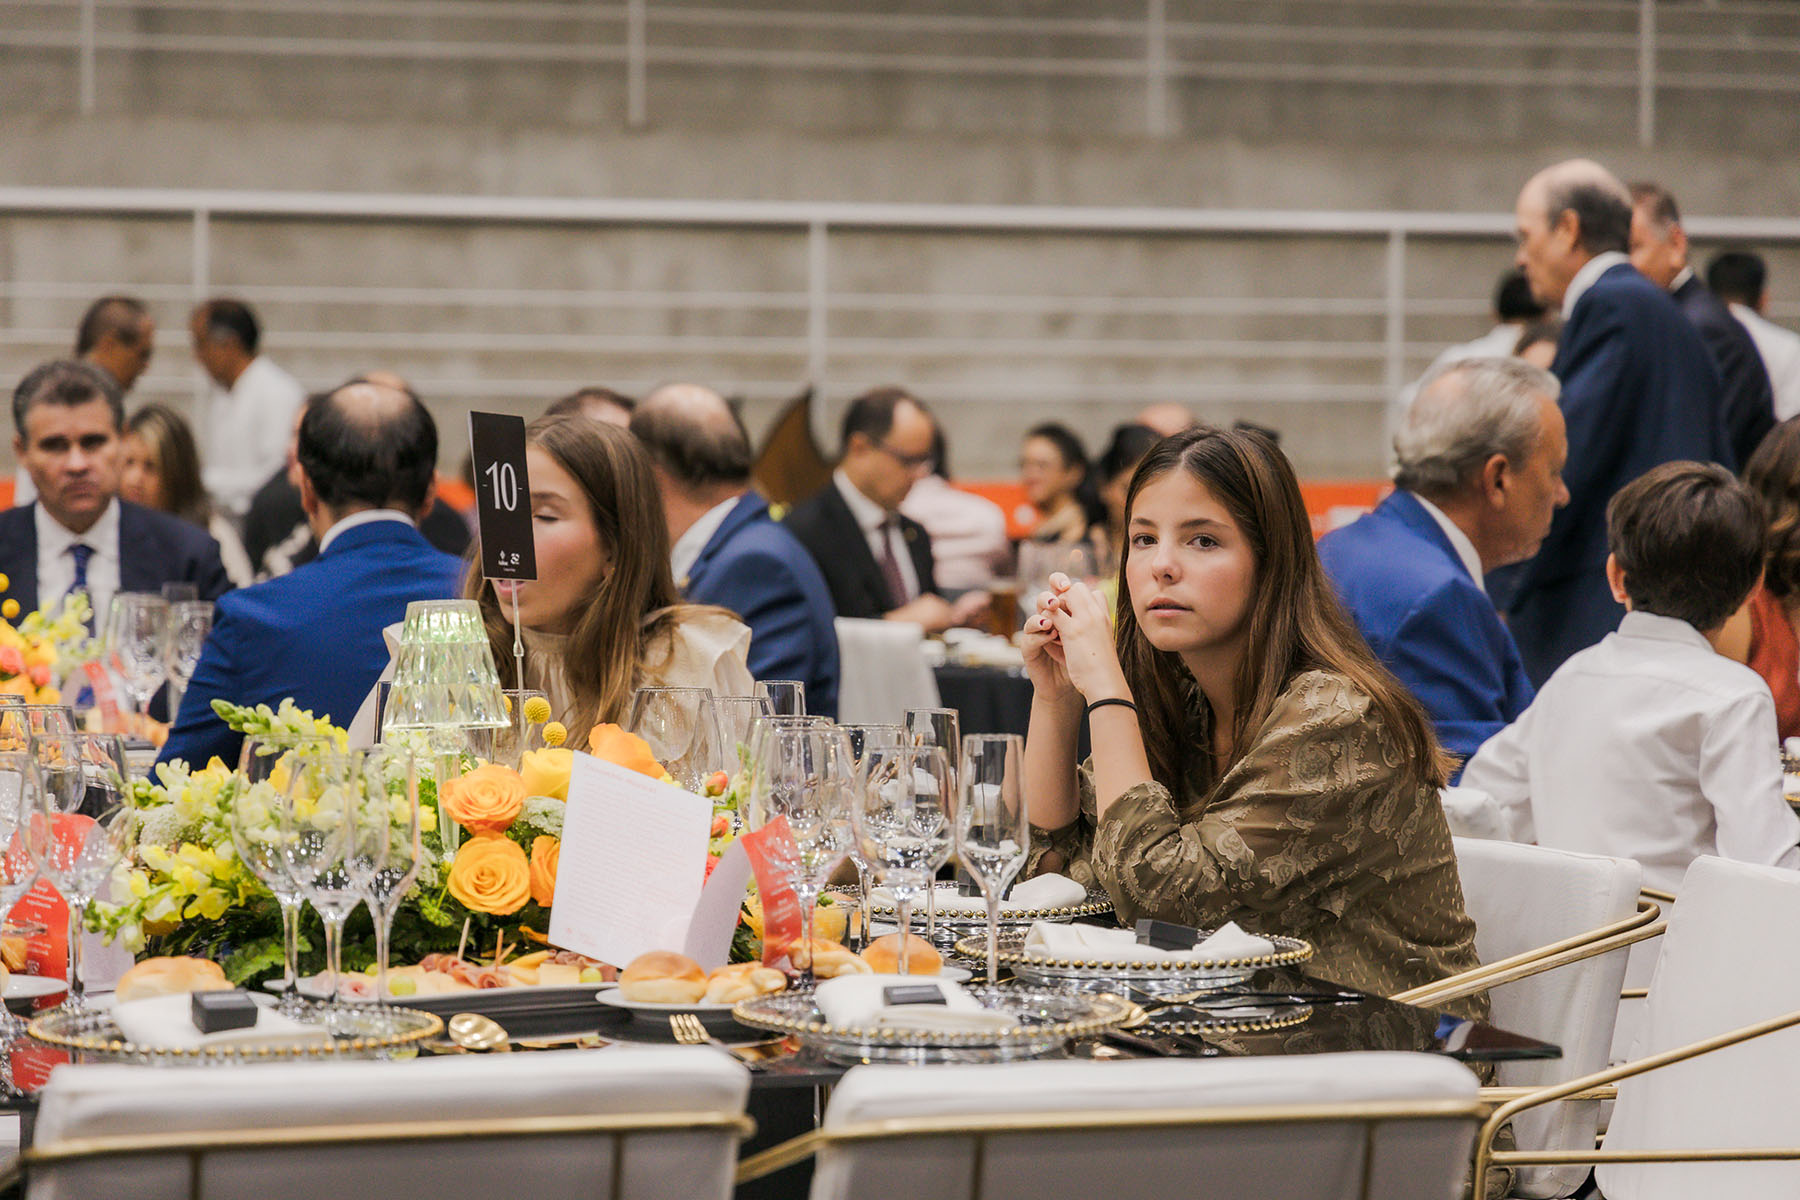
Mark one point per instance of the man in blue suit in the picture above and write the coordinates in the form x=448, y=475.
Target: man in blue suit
x=1478, y=478
x=726, y=548
x=366, y=456
x=78, y=534
x=1638, y=389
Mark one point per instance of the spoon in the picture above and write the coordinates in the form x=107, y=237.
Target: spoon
x=472, y=1031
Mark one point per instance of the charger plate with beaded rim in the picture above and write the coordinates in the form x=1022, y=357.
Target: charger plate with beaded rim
x=1047, y=1019
x=1096, y=904
x=375, y=1031
x=1038, y=967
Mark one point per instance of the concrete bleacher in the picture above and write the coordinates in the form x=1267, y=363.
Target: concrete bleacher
x=1322, y=105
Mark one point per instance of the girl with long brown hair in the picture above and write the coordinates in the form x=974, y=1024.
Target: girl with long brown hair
x=1253, y=761
x=603, y=618
x=160, y=468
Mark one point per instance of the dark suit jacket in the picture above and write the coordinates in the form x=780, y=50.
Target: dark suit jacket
x=831, y=535
x=1638, y=390
x=760, y=571
x=313, y=634
x=1747, y=401
x=1428, y=621
x=275, y=513
x=154, y=548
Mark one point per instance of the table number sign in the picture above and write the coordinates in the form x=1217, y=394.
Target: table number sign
x=503, y=509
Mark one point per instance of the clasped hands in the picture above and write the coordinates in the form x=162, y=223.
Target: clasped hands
x=1068, y=645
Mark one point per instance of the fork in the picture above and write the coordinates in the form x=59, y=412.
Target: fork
x=689, y=1031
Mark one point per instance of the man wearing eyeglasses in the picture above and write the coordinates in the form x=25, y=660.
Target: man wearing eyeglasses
x=877, y=562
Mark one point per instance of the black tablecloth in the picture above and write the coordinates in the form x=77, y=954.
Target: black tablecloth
x=990, y=699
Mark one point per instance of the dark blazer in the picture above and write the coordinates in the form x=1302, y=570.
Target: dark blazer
x=1747, y=401
x=313, y=634
x=1638, y=389
x=831, y=535
x=760, y=571
x=154, y=548
x=1428, y=621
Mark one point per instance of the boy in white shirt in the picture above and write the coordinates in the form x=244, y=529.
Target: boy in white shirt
x=1652, y=745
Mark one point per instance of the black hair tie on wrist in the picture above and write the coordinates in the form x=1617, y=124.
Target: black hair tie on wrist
x=1122, y=703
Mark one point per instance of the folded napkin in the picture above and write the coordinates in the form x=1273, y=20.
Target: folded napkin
x=1045, y=891
x=1097, y=943
x=167, y=1022
x=858, y=1002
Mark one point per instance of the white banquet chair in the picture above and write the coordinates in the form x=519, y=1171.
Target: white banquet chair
x=658, y=1123
x=1392, y=1126
x=1707, y=1109
x=881, y=672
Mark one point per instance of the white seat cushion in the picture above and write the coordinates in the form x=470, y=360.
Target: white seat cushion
x=882, y=672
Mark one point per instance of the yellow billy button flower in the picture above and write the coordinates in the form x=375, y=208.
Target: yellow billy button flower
x=10, y=607
x=555, y=733
x=537, y=711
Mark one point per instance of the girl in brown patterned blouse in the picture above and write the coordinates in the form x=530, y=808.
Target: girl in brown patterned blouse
x=1253, y=762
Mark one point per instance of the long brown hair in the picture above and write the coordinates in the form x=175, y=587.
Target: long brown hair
x=1773, y=473
x=171, y=441
x=636, y=604
x=1295, y=622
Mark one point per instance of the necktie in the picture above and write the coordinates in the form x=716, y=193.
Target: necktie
x=890, y=566
x=82, y=552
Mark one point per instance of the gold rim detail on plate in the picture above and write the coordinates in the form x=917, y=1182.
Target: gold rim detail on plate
x=1095, y=904
x=1111, y=1012
x=1289, y=951
x=1297, y=1015
x=45, y=1029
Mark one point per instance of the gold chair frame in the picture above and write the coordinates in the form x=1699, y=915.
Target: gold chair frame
x=982, y=1128
x=196, y=1145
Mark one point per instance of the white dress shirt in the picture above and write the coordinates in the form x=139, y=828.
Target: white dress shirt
x=1780, y=350
x=1459, y=541
x=244, y=432
x=367, y=516
x=1584, y=279
x=686, y=550
x=871, y=517
x=1650, y=746
x=56, y=562
x=968, y=534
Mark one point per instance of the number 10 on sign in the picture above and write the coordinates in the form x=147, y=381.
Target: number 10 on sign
x=502, y=496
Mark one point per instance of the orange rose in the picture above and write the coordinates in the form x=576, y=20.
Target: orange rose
x=623, y=749
x=486, y=800
x=490, y=875
x=545, y=851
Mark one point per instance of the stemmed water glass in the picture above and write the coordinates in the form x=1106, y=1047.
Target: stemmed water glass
x=864, y=738
x=901, y=816
x=940, y=727
x=682, y=730
x=262, y=834
x=993, y=832
x=189, y=623
x=19, y=723
x=17, y=869
x=80, y=824
x=321, y=809
x=787, y=697
x=137, y=628
x=385, y=844
x=808, y=776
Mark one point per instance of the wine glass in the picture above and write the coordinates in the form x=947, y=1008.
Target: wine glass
x=509, y=744
x=80, y=824
x=682, y=730
x=320, y=809
x=786, y=696
x=736, y=716
x=19, y=723
x=902, y=821
x=138, y=629
x=17, y=869
x=992, y=827
x=189, y=623
x=940, y=727
x=385, y=845
x=863, y=738
x=262, y=834
x=807, y=776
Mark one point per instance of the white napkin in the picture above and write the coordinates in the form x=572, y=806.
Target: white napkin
x=168, y=1022
x=857, y=1002
x=1045, y=891
x=1097, y=943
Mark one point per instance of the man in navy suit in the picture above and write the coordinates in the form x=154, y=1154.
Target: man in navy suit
x=78, y=534
x=726, y=548
x=1638, y=389
x=1659, y=250
x=876, y=561
x=1478, y=477
x=366, y=456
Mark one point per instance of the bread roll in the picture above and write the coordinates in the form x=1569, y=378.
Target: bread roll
x=828, y=959
x=166, y=976
x=742, y=981
x=663, y=977
x=922, y=957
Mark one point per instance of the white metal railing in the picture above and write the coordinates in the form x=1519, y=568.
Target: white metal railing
x=1645, y=47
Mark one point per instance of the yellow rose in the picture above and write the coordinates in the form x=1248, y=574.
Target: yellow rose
x=545, y=851
x=546, y=772
x=486, y=800
x=490, y=875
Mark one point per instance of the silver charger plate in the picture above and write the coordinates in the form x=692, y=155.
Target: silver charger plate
x=1036, y=967
x=357, y=1031
x=1047, y=1019
x=1097, y=903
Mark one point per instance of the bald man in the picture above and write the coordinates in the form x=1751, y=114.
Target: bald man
x=726, y=549
x=366, y=454
x=1638, y=389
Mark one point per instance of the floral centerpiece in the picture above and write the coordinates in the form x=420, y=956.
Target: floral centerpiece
x=43, y=648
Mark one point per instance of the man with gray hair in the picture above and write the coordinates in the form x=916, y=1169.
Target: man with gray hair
x=1478, y=474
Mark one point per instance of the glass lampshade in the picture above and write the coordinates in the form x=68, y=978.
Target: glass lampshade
x=444, y=675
